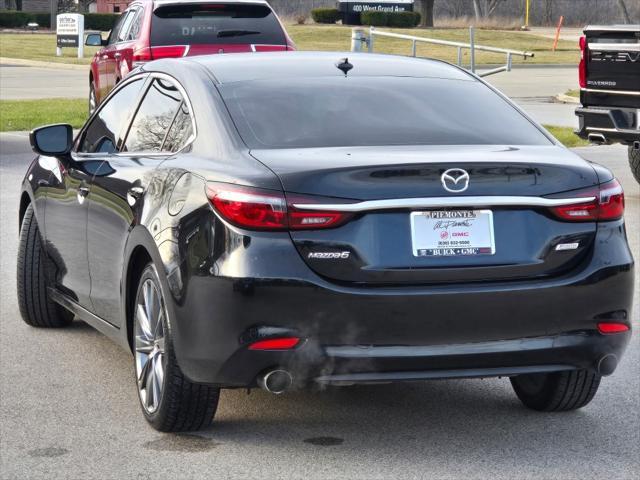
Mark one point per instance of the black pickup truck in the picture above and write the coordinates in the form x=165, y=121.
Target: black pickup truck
x=609, y=75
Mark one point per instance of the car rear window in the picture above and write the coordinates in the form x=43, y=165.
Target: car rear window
x=371, y=111
x=215, y=23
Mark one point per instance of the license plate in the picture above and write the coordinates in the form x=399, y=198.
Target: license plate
x=452, y=233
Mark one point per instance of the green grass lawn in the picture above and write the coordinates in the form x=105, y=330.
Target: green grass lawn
x=28, y=114
x=336, y=37
x=566, y=136
x=40, y=47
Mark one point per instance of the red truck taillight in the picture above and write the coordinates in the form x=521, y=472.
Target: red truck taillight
x=582, y=66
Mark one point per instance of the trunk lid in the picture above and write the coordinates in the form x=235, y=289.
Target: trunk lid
x=376, y=246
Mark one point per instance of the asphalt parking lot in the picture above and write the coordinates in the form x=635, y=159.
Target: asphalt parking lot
x=68, y=406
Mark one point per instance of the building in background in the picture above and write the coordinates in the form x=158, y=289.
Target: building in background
x=108, y=6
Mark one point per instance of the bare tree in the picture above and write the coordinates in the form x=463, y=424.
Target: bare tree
x=486, y=8
x=426, y=13
x=624, y=11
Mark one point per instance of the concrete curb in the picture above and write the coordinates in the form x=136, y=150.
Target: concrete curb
x=562, y=98
x=6, y=61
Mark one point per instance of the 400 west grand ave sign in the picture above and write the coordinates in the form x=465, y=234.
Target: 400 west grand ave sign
x=350, y=6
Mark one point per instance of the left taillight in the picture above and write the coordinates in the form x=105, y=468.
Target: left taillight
x=607, y=203
x=261, y=209
x=146, y=54
x=582, y=66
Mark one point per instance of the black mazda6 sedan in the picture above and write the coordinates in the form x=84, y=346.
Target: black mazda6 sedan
x=298, y=219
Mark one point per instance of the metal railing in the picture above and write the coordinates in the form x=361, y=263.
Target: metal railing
x=359, y=39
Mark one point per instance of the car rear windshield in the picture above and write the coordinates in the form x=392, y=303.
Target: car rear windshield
x=215, y=23
x=370, y=111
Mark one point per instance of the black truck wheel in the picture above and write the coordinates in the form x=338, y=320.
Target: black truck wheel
x=634, y=162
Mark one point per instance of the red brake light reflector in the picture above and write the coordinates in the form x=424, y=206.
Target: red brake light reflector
x=609, y=327
x=285, y=343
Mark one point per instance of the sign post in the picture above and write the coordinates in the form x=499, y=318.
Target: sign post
x=70, y=32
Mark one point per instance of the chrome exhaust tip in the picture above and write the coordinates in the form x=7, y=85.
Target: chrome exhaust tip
x=596, y=138
x=275, y=381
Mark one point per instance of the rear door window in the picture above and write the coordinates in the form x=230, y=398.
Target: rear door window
x=136, y=25
x=154, y=119
x=101, y=136
x=122, y=34
x=216, y=24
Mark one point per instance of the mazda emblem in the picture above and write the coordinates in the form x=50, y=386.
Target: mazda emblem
x=455, y=180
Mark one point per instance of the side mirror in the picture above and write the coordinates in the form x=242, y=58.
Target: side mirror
x=52, y=140
x=94, y=40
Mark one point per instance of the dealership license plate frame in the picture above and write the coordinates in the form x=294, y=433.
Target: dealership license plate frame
x=421, y=248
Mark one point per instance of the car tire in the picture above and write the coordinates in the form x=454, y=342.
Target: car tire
x=34, y=276
x=557, y=391
x=169, y=401
x=93, y=100
x=634, y=162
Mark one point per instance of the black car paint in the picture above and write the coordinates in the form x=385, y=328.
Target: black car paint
x=226, y=287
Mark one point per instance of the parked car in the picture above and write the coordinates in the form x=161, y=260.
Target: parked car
x=154, y=29
x=288, y=219
x=609, y=76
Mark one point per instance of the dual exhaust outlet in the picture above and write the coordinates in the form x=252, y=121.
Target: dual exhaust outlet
x=275, y=381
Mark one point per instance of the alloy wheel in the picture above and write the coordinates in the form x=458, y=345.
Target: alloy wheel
x=92, y=100
x=149, y=345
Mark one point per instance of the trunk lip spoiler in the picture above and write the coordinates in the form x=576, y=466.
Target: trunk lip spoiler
x=440, y=202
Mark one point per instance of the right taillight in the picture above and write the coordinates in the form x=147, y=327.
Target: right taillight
x=582, y=66
x=607, y=204
x=260, y=209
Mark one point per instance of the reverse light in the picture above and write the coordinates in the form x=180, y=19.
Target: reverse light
x=582, y=66
x=608, y=204
x=261, y=209
x=285, y=343
x=607, y=328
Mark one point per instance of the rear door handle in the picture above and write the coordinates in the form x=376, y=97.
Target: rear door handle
x=134, y=194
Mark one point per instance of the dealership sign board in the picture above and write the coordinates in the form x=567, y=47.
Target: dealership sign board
x=359, y=6
x=70, y=32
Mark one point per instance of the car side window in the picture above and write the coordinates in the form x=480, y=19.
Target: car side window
x=101, y=135
x=113, y=34
x=154, y=118
x=126, y=24
x=136, y=26
x=180, y=131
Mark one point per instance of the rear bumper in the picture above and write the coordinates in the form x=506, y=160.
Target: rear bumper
x=357, y=334
x=608, y=124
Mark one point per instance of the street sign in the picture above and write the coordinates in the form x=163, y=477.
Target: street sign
x=389, y=6
x=70, y=32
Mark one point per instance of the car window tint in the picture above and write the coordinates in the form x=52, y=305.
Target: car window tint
x=180, y=131
x=371, y=111
x=113, y=34
x=215, y=24
x=101, y=136
x=136, y=25
x=125, y=25
x=154, y=117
